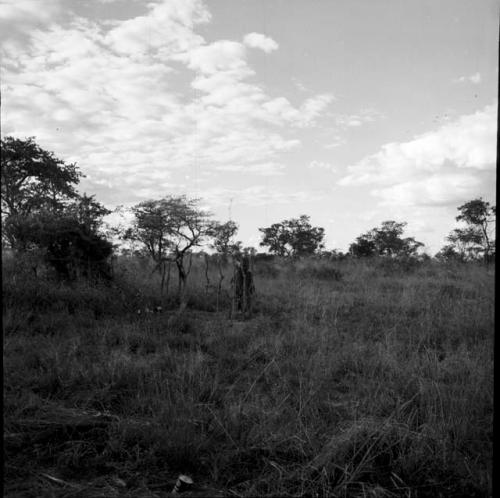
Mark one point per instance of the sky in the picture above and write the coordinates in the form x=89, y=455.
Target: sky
x=350, y=111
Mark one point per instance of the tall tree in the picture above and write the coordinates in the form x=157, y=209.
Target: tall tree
x=293, y=237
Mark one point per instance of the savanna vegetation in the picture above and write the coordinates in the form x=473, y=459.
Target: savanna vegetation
x=360, y=374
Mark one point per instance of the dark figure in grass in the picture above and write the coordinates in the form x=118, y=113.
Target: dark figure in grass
x=244, y=287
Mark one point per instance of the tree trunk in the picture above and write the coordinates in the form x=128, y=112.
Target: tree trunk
x=233, y=289
x=168, y=276
x=207, y=278
x=181, y=274
x=219, y=285
x=162, y=284
x=487, y=249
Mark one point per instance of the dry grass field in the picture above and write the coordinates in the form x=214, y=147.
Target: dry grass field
x=351, y=379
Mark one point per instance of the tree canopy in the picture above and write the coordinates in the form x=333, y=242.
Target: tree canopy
x=42, y=210
x=34, y=179
x=169, y=228
x=385, y=240
x=293, y=237
x=222, y=235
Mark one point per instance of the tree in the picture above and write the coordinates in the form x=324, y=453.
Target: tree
x=294, y=237
x=69, y=245
x=363, y=247
x=88, y=212
x=466, y=242
x=170, y=228
x=333, y=255
x=386, y=240
x=151, y=228
x=73, y=249
x=448, y=253
x=42, y=211
x=223, y=235
x=33, y=180
x=475, y=239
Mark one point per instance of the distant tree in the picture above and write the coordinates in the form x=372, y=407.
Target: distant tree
x=294, y=237
x=222, y=235
x=466, y=243
x=332, y=254
x=448, y=253
x=363, y=246
x=33, y=180
x=170, y=228
x=385, y=240
x=151, y=227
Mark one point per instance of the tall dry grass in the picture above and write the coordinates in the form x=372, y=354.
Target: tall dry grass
x=352, y=378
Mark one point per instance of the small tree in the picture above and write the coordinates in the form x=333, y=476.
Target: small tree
x=294, y=237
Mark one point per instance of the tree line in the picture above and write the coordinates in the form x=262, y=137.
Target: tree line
x=43, y=213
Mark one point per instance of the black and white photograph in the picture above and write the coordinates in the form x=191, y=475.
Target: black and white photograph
x=248, y=247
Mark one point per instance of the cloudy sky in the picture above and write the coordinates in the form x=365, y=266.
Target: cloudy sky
x=351, y=111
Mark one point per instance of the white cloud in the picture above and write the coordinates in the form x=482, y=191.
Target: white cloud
x=258, y=40
x=438, y=189
x=454, y=162
x=321, y=165
x=314, y=106
x=356, y=120
x=262, y=169
x=167, y=27
x=258, y=195
x=337, y=142
x=473, y=78
x=28, y=13
x=222, y=55
x=145, y=97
